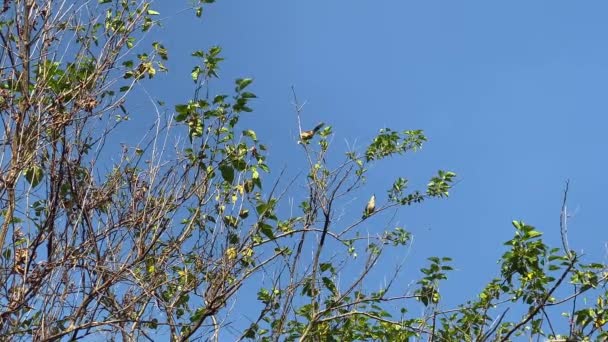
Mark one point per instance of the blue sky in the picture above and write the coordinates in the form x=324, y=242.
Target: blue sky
x=512, y=96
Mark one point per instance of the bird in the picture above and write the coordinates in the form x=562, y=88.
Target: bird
x=370, y=207
x=307, y=135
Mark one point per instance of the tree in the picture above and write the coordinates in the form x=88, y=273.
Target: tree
x=158, y=239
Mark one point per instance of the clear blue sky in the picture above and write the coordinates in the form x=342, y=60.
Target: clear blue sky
x=512, y=96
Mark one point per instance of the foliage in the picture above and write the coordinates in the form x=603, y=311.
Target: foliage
x=141, y=241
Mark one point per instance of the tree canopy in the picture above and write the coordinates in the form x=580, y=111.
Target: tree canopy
x=164, y=239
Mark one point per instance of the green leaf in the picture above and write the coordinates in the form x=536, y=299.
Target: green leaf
x=266, y=229
x=248, y=95
x=231, y=221
x=250, y=133
x=34, y=175
x=250, y=333
x=196, y=71
x=130, y=42
x=242, y=83
x=161, y=50
x=215, y=50
x=261, y=209
x=325, y=266
x=198, y=314
x=198, y=53
x=329, y=284
x=218, y=99
x=227, y=173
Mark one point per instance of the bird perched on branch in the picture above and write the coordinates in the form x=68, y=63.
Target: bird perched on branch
x=370, y=207
x=307, y=135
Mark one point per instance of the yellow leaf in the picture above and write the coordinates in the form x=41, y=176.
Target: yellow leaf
x=248, y=252
x=231, y=253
